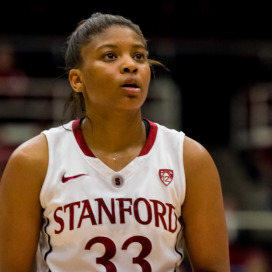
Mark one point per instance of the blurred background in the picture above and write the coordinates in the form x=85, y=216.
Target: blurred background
x=218, y=91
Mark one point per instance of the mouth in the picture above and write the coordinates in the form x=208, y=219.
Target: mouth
x=130, y=86
x=131, y=89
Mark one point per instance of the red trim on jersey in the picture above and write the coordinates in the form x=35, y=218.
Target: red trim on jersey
x=86, y=150
x=151, y=138
x=80, y=138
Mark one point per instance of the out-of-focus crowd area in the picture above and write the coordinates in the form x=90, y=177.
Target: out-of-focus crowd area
x=218, y=91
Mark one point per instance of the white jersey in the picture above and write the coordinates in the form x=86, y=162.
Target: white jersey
x=96, y=219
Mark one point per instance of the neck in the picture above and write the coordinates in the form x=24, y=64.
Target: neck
x=114, y=133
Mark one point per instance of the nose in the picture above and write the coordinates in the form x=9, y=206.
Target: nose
x=129, y=66
x=130, y=70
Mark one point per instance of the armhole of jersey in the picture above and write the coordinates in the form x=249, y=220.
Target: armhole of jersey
x=179, y=247
x=45, y=184
x=181, y=162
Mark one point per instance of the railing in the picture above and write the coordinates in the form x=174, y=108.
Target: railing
x=25, y=113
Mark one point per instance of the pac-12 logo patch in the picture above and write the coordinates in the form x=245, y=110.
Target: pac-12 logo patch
x=166, y=176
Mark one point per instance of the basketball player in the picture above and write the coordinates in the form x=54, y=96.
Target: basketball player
x=110, y=191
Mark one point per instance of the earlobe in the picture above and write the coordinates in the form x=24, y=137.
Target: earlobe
x=75, y=80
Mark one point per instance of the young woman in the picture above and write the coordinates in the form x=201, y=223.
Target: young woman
x=111, y=191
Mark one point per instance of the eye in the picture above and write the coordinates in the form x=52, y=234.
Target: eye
x=140, y=56
x=110, y=56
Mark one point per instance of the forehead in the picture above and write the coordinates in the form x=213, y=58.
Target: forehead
x=117, y=35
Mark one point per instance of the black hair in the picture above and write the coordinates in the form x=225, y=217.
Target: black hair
x=80, y=37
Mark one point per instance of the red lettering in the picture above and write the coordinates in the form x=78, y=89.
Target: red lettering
x=110, y=251
x=159, y=215
x=122, y=208
x=59, y=220
x=164, y=213
x=146, y=249
x=86, y=208
x=137, y=214
x=110, y=214
x=72, y=212
x=172, y=210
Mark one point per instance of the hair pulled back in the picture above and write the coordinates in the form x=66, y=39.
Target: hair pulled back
x=82, y=35
x=86, y=29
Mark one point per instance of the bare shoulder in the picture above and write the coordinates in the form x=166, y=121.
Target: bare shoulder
x=29, y=158
x=193, y=147
x=34, y=149
x=196, y=157
x=202, y=177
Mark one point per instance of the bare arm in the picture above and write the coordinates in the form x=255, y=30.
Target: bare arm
x=20, y=209
x=203, y=212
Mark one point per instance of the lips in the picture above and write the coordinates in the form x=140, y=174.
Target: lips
x=130, y=83
x=131, y=87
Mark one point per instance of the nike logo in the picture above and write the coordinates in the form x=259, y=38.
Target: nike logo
x=65, y=179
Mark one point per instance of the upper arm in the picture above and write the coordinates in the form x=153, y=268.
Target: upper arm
x=20, y=209
x=205, y=228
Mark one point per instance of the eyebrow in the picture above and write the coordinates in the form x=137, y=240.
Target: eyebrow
x=115, y=46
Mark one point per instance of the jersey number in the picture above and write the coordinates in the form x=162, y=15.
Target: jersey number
x=110, y=251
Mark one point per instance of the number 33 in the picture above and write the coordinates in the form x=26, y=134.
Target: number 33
x=110, y=251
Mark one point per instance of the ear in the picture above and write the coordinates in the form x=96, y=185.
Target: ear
x=75, y=80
